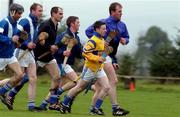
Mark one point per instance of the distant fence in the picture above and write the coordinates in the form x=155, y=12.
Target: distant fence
x=148, y=77
x=129, y=81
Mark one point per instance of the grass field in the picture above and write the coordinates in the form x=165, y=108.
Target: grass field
x=148, y=100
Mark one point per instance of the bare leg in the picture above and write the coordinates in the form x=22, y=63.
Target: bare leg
x=54, y=74
x=78, y=88
x=18, y=74
x=4, y=81
x=73, y=79
x=31, y=71
x=113, y=80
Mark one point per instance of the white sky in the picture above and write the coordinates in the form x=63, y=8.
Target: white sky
x=138, y=15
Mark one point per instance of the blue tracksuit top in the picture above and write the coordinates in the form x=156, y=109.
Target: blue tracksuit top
x=76, y=51
x=7, y=30
x=28, y=24
x=112, y=24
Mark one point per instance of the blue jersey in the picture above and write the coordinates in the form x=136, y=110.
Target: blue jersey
x=76, y=51
x=112, y=24
x=28, y=24
x=7, y=30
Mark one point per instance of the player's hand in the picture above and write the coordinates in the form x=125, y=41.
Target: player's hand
x=31, y=45
x=116, y=66
x=123, y=41
x=67, y=53
x=102, y=59
x=54, y=48
x=106, y=45
x=15, y=39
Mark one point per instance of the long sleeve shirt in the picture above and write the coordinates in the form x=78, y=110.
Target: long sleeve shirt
x=28, y=24
x=112, y=24
x=92, y=52
x=76, y=51
x=49, y=27
x=7, y=30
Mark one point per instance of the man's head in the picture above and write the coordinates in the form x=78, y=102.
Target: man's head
x=100, y=27
x=36, y=9
x=73, y=23
x=57, y=13
x=16, y=11
x=115, y=10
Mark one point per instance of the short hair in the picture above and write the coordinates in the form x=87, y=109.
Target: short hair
x=16, y=7
x=113, y=5
x=34, y=6
x=98, y=24
x=71, y=19
x=55, y=9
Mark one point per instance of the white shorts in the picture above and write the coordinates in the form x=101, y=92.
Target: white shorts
x=6, y=61
x=88, y=74
x=67, y=69
x=42, y=64
x=108, y=59
x=24, y=57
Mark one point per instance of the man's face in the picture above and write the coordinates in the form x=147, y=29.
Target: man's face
x=38, y=12
x=59, y=15
x=76, y=25
x=102, y=30
x=17, y=15
x=117, y=13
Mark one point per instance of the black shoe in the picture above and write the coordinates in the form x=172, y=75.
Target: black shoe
x=68, y=109
x=120, y=112
x=63, y=108
x=8, y=101
x=54, y=107
x=95, y=111
x=35, y=109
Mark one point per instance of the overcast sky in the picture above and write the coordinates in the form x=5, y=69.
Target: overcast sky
x=138, y=15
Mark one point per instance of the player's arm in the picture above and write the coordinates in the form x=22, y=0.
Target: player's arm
x=88, y=51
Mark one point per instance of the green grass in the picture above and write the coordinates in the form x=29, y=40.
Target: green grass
x=148, y=100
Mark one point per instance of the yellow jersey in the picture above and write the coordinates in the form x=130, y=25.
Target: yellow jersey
x=92, y=52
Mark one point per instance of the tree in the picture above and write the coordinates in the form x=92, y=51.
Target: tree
x=150, y=43
x=163, y=62
x=127, y=64
x=166, y=60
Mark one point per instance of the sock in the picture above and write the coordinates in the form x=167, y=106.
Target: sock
x=16, y=89
x=53, y=99
x=44, y=103
x=31, y=105
x=67, y=100
x=60, y=91
x=98, y=103
x=5, y=88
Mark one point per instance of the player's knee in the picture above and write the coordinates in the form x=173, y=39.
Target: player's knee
x=113, y=82
x=56, y=79
x=106, y=89
x=93, y=88
x=19, y=76
x=116, y=81
x=32, y=79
